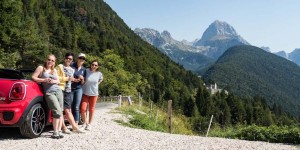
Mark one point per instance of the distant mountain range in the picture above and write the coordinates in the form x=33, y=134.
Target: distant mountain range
x=293, y=56
x=248, y=70
x=199, y=54
x=182, y=52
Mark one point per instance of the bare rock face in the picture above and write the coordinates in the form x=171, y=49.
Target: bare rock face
x=220, y=36
x=219, y=31
x=151, y=36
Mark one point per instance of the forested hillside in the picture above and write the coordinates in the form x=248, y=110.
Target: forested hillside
x=249, y=71
x=32, y=29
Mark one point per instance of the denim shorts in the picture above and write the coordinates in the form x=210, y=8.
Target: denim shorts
x=68, y=100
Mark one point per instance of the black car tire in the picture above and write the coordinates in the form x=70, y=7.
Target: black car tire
x=34, y=122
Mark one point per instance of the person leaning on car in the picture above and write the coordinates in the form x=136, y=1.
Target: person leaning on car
x=47, y=76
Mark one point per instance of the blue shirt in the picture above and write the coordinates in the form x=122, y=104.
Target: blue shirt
x=77, y=73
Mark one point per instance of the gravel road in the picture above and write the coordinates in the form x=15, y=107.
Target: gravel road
x=107, y=134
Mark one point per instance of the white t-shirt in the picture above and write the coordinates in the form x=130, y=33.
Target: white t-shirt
x=90, y=87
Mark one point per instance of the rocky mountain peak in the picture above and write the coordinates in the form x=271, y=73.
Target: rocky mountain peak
x=219, y=30
x=295, y=56
x=149, y=35
x=282, y=54
x=154, y=37
x=167, y=36
x=148, y=31
x=266, y=48
x=297, y=50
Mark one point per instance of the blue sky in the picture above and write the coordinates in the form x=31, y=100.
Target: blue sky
x=272, y=23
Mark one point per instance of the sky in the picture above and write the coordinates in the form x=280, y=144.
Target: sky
x=269, y=23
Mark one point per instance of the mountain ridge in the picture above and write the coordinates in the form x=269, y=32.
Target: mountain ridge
x=249, y=70
x=216, y=39
x=192, y=58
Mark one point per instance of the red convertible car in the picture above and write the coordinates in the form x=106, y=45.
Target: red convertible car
x=22, y=104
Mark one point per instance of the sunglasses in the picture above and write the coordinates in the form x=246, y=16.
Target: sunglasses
x=69, y=58
x=94, y=65
x=51, y=60
x=81, y=58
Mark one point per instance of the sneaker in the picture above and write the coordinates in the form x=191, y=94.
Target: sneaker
x=88, y=127
x=60, y=134
x=66, y=131
x=83, y=125
x=55, y=135
x=77, y=131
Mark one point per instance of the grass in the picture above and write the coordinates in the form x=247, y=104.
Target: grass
x=273, y=134
x=154, y=119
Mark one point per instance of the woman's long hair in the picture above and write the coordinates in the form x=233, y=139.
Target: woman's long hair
x=45, y=64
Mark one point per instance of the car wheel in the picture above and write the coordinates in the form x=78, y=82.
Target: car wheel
x=34, y=123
